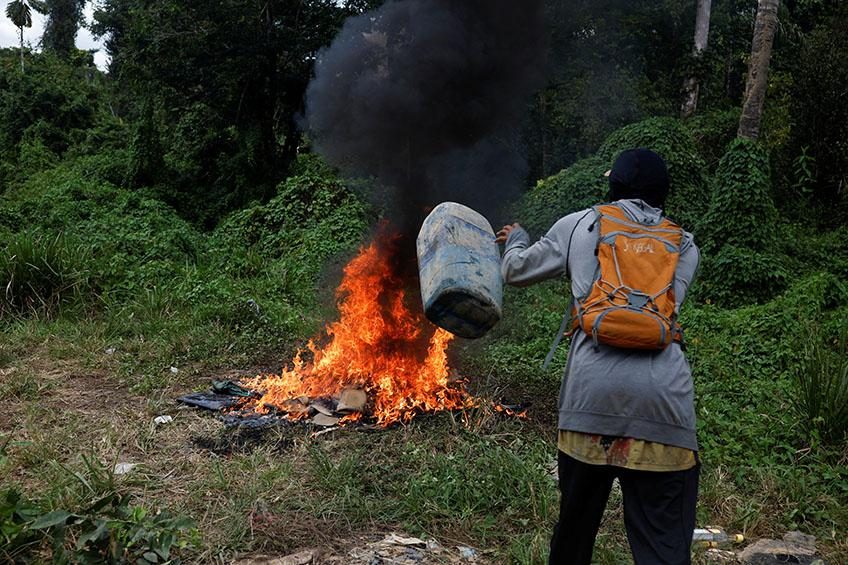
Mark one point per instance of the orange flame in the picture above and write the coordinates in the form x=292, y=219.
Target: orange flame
x=510, y=412
x=378, y=345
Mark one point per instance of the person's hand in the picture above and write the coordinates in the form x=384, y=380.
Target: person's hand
x=504, y=233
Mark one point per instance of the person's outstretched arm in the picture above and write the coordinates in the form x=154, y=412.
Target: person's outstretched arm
x=524, y=264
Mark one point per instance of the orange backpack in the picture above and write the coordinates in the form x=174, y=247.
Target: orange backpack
x=631, y=304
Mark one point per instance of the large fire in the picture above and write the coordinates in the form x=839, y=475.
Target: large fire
x=378, y=346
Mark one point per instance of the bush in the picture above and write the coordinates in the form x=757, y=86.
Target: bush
x=34, y=155
x=735, y=276
x=313, y=217
x=45, y=110
x=810, y=250
x=579, y=186
x=822, y=380
x=110, y=167
x=131, y=236
x=39, y=273
x=689, y=197
x=742, y=260
x=741, y=210
x=742, y=362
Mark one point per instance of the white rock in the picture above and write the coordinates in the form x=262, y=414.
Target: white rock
x=434, y=546
x=467, y=553
x=163, y=419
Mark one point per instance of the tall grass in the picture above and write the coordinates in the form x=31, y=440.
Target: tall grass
x=822, y=379
x=39, y=273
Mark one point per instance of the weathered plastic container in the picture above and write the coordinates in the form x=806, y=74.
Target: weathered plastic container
x=460, y=269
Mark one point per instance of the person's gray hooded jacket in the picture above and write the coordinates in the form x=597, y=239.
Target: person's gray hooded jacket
x=611, y=391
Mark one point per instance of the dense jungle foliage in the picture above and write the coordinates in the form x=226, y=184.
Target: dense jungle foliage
x=169, y=213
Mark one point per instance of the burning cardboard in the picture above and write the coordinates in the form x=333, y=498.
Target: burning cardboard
x=352, y=400
x=325, y=420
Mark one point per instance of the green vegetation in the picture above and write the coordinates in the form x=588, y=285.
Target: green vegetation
x=39, y=273
x=104, y=529
x=822, y=381
x=170, y=214
x=740, y=230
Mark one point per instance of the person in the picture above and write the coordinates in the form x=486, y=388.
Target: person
x=625, y=414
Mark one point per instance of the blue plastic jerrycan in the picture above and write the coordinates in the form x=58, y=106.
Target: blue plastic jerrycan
x=460, y=270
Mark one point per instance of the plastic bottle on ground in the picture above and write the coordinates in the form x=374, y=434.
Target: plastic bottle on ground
x=713, y=537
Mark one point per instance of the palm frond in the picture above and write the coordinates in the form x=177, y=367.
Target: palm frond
x=18, y=11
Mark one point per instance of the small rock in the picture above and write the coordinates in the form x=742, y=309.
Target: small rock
x=434, y=546
x=553, y=471
x=799, y=539
x=775, y=552
x=174, y=370
x=110, y=351
x=352, y=400
x=467, y=553
x=163, y=419
x=124, y=468
x=324, y=420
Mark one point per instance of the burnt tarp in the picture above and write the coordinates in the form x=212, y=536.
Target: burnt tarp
x=209, y=400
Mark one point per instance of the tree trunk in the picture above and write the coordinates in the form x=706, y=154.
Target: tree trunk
x=691, y=86
x=22, y=49
x=755, y=87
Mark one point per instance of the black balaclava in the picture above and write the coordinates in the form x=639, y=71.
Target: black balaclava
x=639, y=173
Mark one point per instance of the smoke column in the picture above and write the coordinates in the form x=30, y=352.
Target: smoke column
x=427, y=97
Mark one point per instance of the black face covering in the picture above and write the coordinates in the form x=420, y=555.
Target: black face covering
x=639, y=173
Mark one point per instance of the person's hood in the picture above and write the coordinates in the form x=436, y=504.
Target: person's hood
x=641, y=212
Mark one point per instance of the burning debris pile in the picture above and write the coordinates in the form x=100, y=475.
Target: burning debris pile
x=381, y=362
x=377, y=348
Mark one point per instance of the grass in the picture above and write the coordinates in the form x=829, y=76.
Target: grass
x=83, y=374
x=20, y=387
x=90, y=386
x=484, y=483
x=40, y=273
x=822, y=380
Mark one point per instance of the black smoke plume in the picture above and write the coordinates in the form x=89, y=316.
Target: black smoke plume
x=427, y=97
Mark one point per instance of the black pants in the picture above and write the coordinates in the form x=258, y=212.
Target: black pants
x=659, y=512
